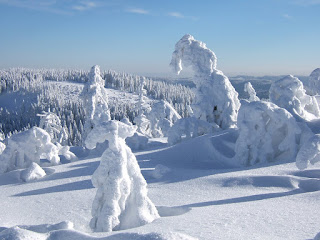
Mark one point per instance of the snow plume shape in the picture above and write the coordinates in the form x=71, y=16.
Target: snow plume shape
x=95, y=101
x=27, y=147
x=121, y=201
x=266, y=133
x=313, y=84
x=162, y=117
x=309, y=152
x=289, y=93
x=248, y=88
x=216, y=99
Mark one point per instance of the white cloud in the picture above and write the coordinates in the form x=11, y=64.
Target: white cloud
x=176, y=15
x=137, y=10
x=287, y=16
x=84, y=5
x=306, y=2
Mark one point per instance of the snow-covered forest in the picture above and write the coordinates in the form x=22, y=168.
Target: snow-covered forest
x=91, y=154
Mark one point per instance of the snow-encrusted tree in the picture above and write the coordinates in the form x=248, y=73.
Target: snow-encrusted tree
x=289, y=93
x=121, y=200
x=248, y=88
x=216, y=99
x=266, y=133
x=95, y=101
x=309, y=152
x=27, y=147
x=51, y=123
x=312, y=85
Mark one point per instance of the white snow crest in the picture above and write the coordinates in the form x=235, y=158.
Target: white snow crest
x=289, y=93
x=216, y=99
x=121, y=200
x=266, y=133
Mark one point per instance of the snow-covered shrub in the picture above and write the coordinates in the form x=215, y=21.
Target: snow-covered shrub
x=95, y=101
x=121, y=200
x=248, y=88
x=189, y=128
x=289, y=93
x=51, y=123
x=266, y=133
x=216, y=100
x=162, y=117
x=34, y=172
x=27, y=147
x=309, y=152
x=312, y=85
x=65, y=151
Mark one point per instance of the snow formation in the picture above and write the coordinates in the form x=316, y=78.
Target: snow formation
x=248, y=88
x=289, y=93
x=34, y=172
x=27, y=147
x=216, y=99
x=309, y=152
x=95, y=101
x=266, y=133
x=121, y=200
x=162, y=117
x=51, y=123
x=2, y=147
x=313, y=84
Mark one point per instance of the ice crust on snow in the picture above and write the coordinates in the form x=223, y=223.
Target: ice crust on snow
x=121, y=201
x=248, y=88
x=266, y=133
x=313, y=84
x=309, y=152
x=216, y=100
x=34, y=172
x=290, y=94
x=27, y=147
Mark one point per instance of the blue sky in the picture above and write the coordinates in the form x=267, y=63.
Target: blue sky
x=256, y=37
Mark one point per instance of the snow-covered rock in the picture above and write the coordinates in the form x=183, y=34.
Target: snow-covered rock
x=34, y=172
x=216, y=100
x=121, y=200
x=248, y=88
x=289, y=93
x=27, y=147
x=309, y=152
x=266, y=133
x=312, y=85
x=162, y=117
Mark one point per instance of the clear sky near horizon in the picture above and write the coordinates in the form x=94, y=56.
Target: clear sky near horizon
x=252, y=37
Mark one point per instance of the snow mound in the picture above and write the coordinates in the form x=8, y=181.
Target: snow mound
x=266, y=133
x=137, y=142
x=248, y=88
x=309, y=152
x=27, y=147
x=313, y=83
x=216, y=99
x=16, y=233
x=289, y=93
x=34, y=172
x=121, y=201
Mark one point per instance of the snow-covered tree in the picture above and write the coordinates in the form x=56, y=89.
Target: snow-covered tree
x=309, y=152
x=121, y=200
x=51, y=123
x=312, y=85
x=289, y=93
x=27, y=147
x=216, y=99
x=95, y=101
x=248, y=88
x=266, y=133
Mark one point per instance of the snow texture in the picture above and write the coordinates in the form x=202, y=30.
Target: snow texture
x=65, y=151
x=159, y=171
x=313, y=84
x=162, y=117
x=95, y=101
x=266, y=133
x=137, y=142
x=216, y=99
x=309, y=152
x=248, y=88
x=27, y=147
x=289, y=93
x=34, y=172
x=121, y=201
x=2, y=147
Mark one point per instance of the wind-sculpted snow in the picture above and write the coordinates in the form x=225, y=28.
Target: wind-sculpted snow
x=27, y=147
x=312, y=85
x=121, y=200
x=216, y=99
x=309, y=152
x=252, y=93
x=266, y=133
x=289, y=93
